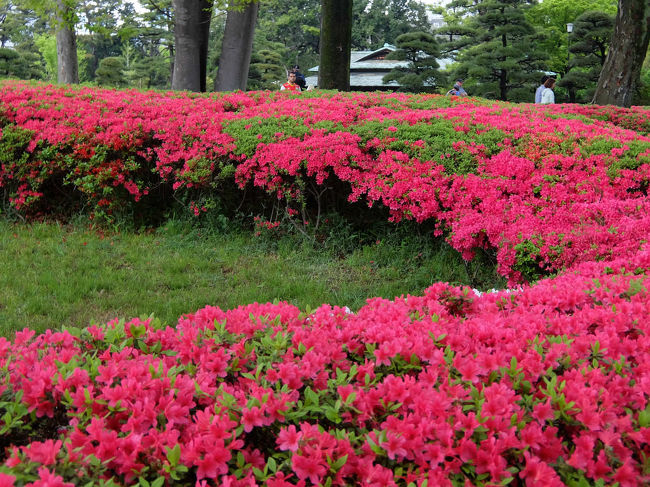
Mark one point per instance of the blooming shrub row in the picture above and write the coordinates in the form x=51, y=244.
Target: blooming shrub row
x=543, y=386
x=546, y=187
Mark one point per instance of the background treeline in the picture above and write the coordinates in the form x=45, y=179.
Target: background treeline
x=499, y=46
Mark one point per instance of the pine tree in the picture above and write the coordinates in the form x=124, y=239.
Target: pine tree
x=111, y=72
x=382, y=21
x=420, y=49
x=592, y=32
x=266, y=70
x=458, y=32
x=505, y=62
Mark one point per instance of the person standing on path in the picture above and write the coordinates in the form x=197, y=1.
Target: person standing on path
x=548, y=96
x=540, y=88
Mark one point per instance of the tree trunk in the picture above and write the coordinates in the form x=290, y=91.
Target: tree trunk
x=503, y=75
x=66, y=45
x=335, y=44
x=572, y=94
x=237, y=47
x=620, y=77
x=205, y=18
x=172, y=56
x=187, y=41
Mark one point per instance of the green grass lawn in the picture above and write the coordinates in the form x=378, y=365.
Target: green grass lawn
x=55, y=275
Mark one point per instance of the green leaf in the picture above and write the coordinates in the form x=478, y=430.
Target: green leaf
x=350, y=399
x=339, y=463
x=644, y=417
x=636, y=287
x=332, y=415
x=311, y=397
x=174, y=455
x=258, y=473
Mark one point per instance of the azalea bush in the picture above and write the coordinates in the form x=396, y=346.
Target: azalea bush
x=544, y=384
x=544, y=187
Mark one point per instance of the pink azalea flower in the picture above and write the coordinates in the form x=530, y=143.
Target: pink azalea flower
x=43, y=452
x=289, y=438
x=48, y=479
x=7, y=480
x=308, y=468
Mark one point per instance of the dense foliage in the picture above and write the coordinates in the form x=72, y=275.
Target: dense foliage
x=543, y=384
x=503, y=55
x=288, y=32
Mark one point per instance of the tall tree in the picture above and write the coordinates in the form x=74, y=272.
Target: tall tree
x=505, y=60
x=620, y=76
x=191, y=31
x=458, y=31
x=19, y=25
x=237, y=46
x=66, y=43
x=61, y=14
x=155, y=40
x=102, y=20
x=98, y=17
x=335, y=44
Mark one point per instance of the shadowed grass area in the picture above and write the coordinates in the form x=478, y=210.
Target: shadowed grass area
x=55, y=275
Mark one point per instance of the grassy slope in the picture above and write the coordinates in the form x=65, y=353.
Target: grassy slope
x=54, y=275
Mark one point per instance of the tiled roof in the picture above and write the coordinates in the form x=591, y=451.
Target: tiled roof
x=367, y=68
x=361, y=80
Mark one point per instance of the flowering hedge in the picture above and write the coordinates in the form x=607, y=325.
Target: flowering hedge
x=546, y=187
x=542, y=385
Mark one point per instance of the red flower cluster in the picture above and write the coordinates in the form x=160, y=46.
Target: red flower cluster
x=547, y=385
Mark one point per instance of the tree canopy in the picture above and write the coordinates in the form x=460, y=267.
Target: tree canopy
x=420, y=50
x=499, y=46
